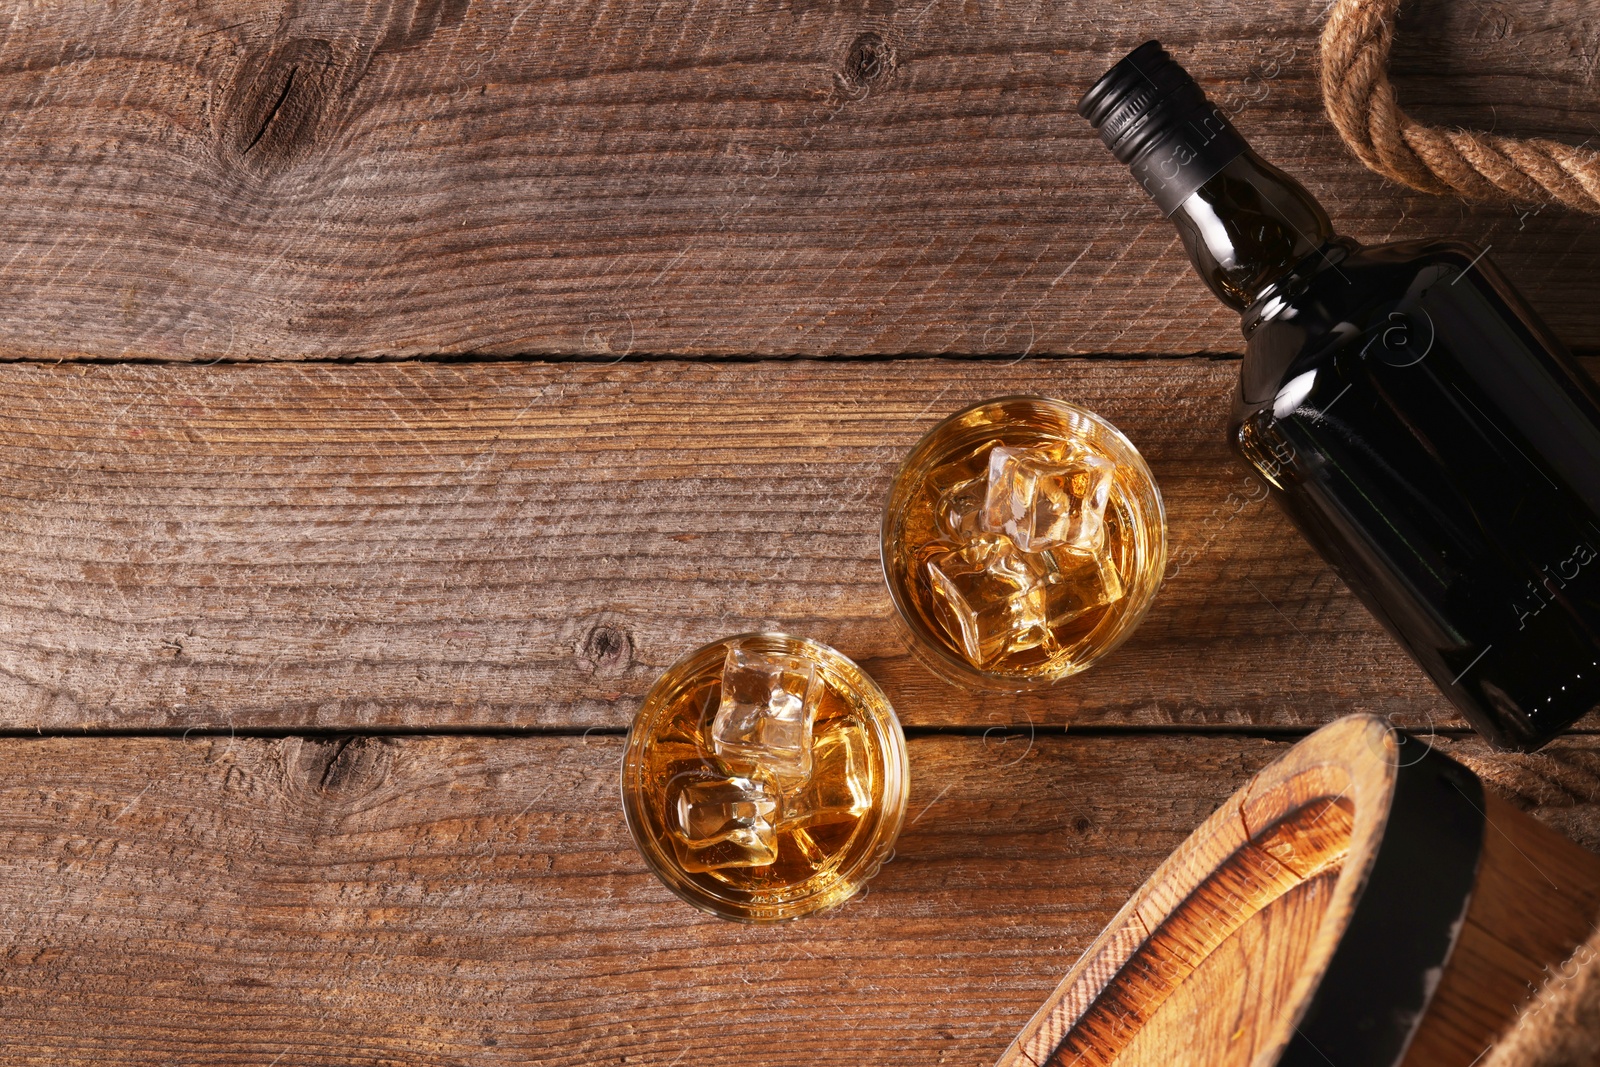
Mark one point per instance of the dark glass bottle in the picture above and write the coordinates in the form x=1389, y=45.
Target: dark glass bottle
x=1413, y=415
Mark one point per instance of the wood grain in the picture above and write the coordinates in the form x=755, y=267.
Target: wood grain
x=467, y=901
x=429, y=544
x=477, y=901
x=1506, y=949
x=482, y=545
x=1235, y=1036
x=304, y=179
x=1456, y=62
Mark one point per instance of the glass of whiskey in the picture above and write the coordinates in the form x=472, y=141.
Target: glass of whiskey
x=765, y=777
x=1023, y=539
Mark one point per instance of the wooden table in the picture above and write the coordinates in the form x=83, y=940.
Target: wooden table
x=393, y=391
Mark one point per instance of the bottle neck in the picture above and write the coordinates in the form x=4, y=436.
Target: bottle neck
x=1247, y=227
x=1245, y=223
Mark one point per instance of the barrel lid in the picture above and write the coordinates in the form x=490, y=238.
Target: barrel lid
x=1305, y=922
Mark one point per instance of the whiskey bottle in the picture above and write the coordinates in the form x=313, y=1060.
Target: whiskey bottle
x=1412, y=414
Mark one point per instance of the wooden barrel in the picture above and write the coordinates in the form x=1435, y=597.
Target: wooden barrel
x=1362, y=902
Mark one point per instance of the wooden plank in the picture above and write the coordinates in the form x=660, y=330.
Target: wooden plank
x=476, y=900
x=427, y=544
x=190, y=180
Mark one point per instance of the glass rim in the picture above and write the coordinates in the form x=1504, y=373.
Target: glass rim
x=924, y=644
x=897, y=787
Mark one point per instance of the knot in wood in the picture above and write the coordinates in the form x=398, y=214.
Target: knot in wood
x=346, y=766
x=607, y=648
x=869, y=61
x=298, y=84
x=277, y=102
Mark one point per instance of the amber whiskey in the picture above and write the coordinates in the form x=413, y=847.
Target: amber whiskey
x=1023, y=539
x=765, y=777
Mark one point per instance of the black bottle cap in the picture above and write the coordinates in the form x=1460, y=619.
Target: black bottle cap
x=1154, y=118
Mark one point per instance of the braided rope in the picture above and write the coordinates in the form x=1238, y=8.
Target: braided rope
x=1478, y=166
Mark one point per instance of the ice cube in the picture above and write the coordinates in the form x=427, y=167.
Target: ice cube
x=721, y=822
x=1076, y=583
x=840, y=785
x=765, y=716
x=989, y=597
x=1042, y=502
x=959, y=511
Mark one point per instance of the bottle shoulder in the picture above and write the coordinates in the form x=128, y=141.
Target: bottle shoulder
x=1339, y=296
x=1343, y=271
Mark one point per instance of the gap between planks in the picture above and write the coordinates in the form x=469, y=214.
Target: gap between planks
x=1243, y=731
x=540, y=359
